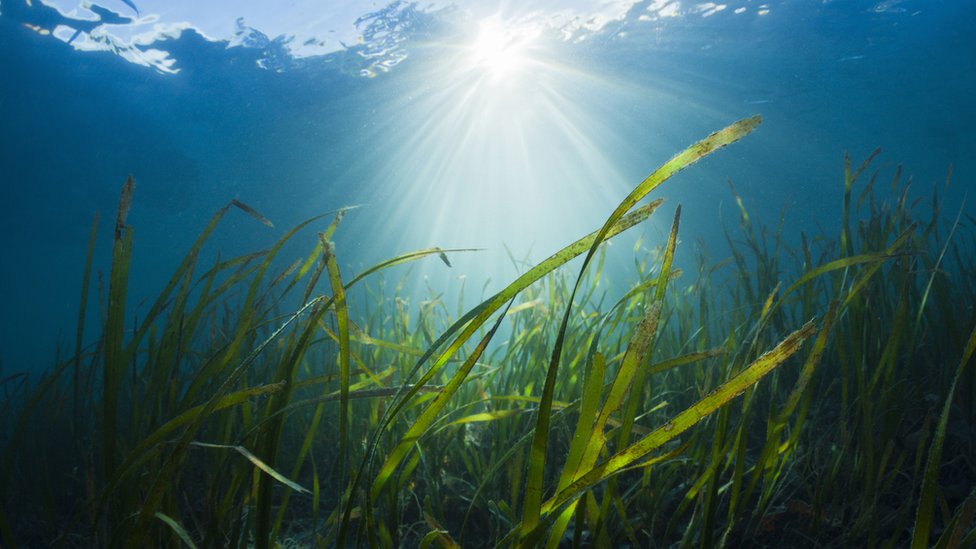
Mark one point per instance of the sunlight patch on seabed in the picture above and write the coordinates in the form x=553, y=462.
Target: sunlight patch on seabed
x=494, y=148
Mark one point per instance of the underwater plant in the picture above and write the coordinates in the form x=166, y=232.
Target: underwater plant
x=252, y=405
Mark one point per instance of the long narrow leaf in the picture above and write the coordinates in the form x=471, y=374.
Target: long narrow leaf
x=681, y=422
x=926, y=500
x=257, y=463
x=715, y=141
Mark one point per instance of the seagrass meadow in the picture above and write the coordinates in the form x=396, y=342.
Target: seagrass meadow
x=817, y=395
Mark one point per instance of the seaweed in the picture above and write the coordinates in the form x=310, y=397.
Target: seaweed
x=789, y=404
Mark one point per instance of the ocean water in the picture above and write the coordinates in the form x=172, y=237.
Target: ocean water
x=505, y=130
x=484, y=125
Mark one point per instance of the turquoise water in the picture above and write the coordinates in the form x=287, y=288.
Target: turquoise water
x=487, y=125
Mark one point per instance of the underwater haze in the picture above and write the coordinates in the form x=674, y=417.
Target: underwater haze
x=558, y=273
x=474, y=125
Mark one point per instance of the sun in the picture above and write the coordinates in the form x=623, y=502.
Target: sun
x=499, y=51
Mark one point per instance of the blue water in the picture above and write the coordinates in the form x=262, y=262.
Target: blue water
x=441, y=144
